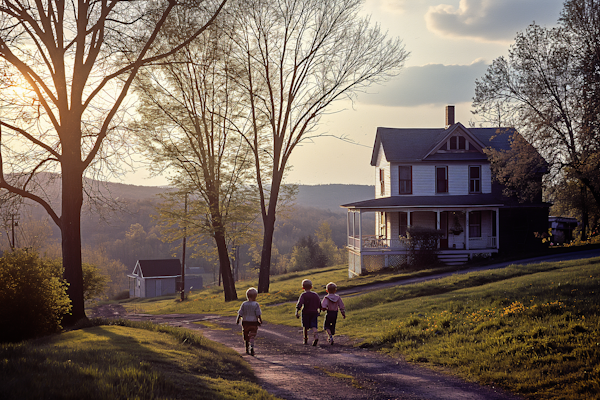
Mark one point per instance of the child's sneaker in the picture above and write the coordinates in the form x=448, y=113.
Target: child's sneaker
x=315, y=342
x=247, y=348
x=305, y=340
x=251, y=350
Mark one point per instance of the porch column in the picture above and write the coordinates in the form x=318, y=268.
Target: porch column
x=497, y=229
x=350, y=227
x=360, y=231
x=438, y=222
x=467, y=230
x=408, y=224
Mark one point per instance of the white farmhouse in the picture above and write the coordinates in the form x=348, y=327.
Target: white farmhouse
x=440, y=179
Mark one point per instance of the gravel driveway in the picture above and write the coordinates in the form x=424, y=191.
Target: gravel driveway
x=288, y=369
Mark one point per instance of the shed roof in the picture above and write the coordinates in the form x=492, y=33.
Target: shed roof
x=153, y=268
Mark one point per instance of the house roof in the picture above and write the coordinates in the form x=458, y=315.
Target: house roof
x=154, y=268
x=472, y=200
x=417, y=144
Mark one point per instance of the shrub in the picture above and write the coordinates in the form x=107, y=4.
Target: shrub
x=423, y=246
x=33, y=299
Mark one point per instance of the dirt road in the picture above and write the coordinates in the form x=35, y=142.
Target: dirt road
x=293, y=371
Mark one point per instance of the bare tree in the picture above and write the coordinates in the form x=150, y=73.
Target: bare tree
x=190, y=117
x=297, y=58
x=67, y=67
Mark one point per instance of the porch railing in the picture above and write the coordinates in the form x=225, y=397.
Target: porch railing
x=372, y=242
x=484, y=242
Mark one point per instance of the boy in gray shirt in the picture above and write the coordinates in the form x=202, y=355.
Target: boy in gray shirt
x=250, y=315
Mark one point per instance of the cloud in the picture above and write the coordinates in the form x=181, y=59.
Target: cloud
x=399, y=6
x=491, y=20
x=428, y=84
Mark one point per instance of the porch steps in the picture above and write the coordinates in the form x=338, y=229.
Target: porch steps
x=453, y=259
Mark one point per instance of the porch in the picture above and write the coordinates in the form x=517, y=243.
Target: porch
x=464, y=232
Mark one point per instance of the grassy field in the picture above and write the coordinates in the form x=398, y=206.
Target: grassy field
x=135, y=361
x=534, y=329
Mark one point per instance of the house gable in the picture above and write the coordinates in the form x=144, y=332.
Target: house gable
x=137, y=271
x=457, y=140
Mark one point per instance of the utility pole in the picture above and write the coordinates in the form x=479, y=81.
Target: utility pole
x=14, y=223
x=183, y=250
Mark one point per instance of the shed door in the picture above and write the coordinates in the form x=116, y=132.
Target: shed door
x=158, y=287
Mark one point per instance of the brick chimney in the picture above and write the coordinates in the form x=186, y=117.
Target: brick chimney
x=449, y=116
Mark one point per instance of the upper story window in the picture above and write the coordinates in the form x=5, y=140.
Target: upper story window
x=474, y=179
x=457, y=143
x=405, y=179
x=441, y=179
x=381, y=182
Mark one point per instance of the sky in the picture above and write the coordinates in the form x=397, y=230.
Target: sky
x=451, y=44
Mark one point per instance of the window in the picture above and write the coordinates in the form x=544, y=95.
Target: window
x=405, y=176
x=381, y=182
x=441, y=179
x=403, y=223
x=457, y=143
x=475, y=179
x=475, y=224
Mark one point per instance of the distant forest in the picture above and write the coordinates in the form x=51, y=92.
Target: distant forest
x=121, y=230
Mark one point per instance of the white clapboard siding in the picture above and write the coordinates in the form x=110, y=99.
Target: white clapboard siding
x=423, y=179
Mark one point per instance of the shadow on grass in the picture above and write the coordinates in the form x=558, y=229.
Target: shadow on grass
x=118, y=362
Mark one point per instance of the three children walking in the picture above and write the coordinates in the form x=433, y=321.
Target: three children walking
x=309, y=305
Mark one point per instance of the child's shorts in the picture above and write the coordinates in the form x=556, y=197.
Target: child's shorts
x=330, y=320
x=310, y=321
x=250, y=329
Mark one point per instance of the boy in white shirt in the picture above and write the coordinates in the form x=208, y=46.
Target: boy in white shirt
x=250, y=315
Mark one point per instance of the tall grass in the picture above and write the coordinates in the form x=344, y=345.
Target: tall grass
x=537, y=334
x=125, y=361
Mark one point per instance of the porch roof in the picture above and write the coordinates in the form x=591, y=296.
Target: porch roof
x=473, y=200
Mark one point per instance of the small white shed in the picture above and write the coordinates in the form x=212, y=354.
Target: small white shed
x=154, y=278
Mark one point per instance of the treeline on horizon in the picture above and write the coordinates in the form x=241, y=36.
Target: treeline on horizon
x=114, y=239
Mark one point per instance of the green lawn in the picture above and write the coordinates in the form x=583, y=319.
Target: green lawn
x=137, y=361
x=534, y=329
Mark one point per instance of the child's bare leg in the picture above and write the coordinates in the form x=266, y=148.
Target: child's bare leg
x=305, y=332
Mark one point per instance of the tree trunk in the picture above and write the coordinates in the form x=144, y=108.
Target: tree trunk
x=584, y=214
x=269, y=219
x=70, y=225
x=265, y=256
x=225, y=267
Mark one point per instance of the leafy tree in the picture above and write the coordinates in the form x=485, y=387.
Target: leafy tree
x=113, y=272
x=549, y=89
x=519, y=169
x=67, y=69
x=296, y=58
x=328, y=247
x=34, y=299
x=307, y=254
